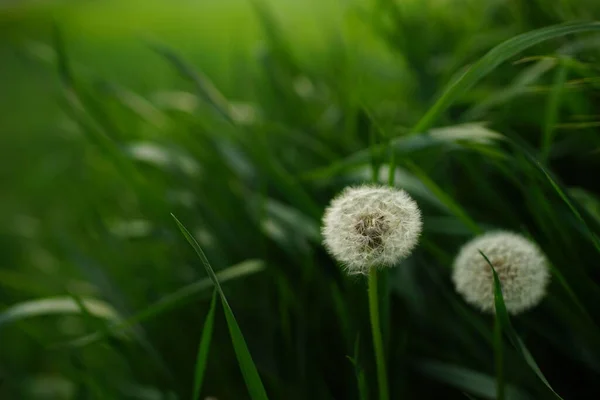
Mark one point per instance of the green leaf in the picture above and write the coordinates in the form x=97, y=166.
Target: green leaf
x=447, y=200
x=504, y=320
x=206, y=91
x=491, y=60
x=59, y=305
x=363, y=391
x=249, y=371
x=499, y=359
x=470, y=133
x=204, y=347
x=552, y=108
x=592, y=236
x=172, y=301
x=473, y=382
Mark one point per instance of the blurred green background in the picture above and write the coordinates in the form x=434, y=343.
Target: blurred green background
x=243, y=118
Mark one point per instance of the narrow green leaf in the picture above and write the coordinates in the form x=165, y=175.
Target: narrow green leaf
x=361, y=380
x=172, y=301
x=247, y=366
x=205, y=89
x=593, y=237
x=552, y=108
x=454, y=207
x=204, y=347
x=473, y=382
x=491, y=60
x=504, y=320
x=58, y=305
x=470, y=133
x=499, y=359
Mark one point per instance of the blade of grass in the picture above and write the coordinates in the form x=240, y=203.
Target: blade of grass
x=171, y=301
x=361, y=380
x=206, y=91
x=506, y=326
x=552, y=110
x=247, y=366
x=498, y=358
x=454, y=208
x=491, y=60
x=58, y=305
x=474, y=382
x=204, y=347
x=561, y=192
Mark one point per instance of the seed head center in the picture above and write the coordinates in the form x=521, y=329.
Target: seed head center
x=372, y=227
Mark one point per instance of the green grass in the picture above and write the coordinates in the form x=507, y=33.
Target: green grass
x=244, y=119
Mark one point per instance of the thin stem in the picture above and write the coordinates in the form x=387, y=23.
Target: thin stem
x=376, y=332
x=392, y=165
x=499, y=360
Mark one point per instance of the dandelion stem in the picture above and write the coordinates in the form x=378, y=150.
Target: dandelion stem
x=376, y=332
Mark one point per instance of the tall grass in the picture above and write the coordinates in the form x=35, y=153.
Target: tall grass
x=487, y=113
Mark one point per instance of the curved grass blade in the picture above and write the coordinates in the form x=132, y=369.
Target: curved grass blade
x=469, y=133
x=205, y=89
x=503, y=319
x=204, y=347
x=473, y=382
x=593, y=237
x=172, y=301
x=491, y=60
x=247, y=366
x=59, y=305
x=454, y=207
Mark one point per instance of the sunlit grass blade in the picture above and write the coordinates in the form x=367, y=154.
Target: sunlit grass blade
x=204, y=347
x=470, y=133
x=247, y=366
x=56, y=306
x=506, y=326
x=491, y=60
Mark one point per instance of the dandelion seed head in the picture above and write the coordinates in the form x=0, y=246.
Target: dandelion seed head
x=521, y=266
x=371, y=226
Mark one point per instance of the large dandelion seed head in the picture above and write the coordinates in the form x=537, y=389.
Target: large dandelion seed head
x=521, y=266
x=371, y=226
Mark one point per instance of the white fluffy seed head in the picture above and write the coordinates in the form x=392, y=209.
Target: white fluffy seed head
x=521, y=266
x=371, y=226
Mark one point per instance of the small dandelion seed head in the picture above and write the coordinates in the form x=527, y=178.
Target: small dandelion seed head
x=371, y=226
x=521, y=266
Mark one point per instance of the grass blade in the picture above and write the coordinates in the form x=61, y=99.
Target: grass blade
x=247, y=366
x=552, y=108
x=473, y=382
x=171, y=301
x=492, y=59
x=592, y=236
x=363, y=391
x=204, y=347
x=506, y=326
x=452, y=206
x=498, y=358
x=58, y=305
x=205, y=90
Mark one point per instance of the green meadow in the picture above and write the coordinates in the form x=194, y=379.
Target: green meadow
x=165, y=167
